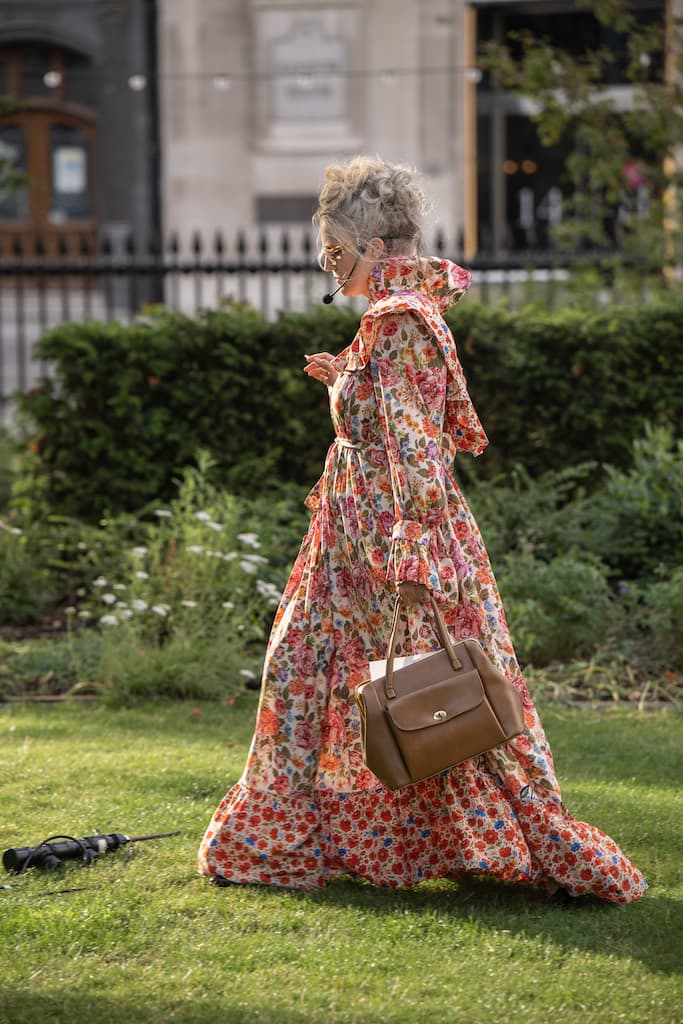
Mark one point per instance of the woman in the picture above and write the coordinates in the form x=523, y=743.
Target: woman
x=387, y=515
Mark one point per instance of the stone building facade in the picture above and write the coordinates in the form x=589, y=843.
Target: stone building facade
x=259, y=95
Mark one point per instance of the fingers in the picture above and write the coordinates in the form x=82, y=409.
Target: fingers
x=320, y=367
x=413, y=593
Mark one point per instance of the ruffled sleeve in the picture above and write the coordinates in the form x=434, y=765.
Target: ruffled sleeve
x=410, y=378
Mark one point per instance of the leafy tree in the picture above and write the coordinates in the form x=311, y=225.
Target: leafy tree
x=625, y=168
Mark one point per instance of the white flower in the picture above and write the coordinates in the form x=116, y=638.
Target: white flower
x=247, y=673
x=109, y=598
x=70, y=610
x=163, y=513
x=99, y=582
x=82, y=546
x=268, y=590
x=141, y=575
x=121, y=604
x=196, y=549
x=140, y=605
x=109, y=620
x=248, y=567
x=203, y=517
x=229, y=605
x=230, y=556
x=119, y=586
x=11, y=529
x=81, y=592
x=125, y=613
x=160, y=609
x=139, y=552
x=215, y=526
x=250, y=539
x=85, y=614
x=256, y=559
x=189, y=604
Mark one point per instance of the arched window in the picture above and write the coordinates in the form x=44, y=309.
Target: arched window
x=47, y=136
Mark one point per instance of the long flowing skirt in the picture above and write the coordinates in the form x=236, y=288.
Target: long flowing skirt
x=306, y=808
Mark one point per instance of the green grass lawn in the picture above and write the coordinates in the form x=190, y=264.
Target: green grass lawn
x=149, y=941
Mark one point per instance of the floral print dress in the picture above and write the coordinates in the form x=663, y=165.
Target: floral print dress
x=387, y=509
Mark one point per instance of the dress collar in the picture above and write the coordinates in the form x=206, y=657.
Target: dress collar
x=440, y=281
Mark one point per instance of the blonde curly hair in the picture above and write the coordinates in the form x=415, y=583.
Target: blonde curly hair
x=367, y=197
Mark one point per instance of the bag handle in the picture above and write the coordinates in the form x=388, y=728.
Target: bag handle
x=440, y=630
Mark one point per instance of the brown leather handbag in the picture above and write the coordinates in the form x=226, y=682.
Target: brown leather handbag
x=432, y=714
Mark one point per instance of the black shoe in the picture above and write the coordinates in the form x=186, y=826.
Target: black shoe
x=221, y=882
x=560, y=898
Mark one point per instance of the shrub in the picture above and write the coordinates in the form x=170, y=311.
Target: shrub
x=185, y=611
x=557, y=610
x=662, y=618
x=544, y=516
x=25, y=585
x=128, y=406
x=51, y=665
x=557, y=389
x=636, y=516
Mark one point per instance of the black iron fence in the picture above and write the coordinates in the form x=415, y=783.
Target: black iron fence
x=47, y=281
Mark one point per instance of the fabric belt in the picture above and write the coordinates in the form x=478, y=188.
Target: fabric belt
x=343, y=443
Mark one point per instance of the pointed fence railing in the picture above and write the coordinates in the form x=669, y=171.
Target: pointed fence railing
x=58, y=276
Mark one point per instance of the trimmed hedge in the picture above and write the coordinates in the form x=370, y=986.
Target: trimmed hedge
x=128, y=407
x=556, y=389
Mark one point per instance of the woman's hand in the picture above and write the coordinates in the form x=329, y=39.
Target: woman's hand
x=414, y=593
x=319, y=366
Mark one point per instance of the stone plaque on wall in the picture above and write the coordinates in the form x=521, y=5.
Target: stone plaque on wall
x=309, y=70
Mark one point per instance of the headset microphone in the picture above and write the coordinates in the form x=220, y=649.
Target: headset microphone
x=327, y=299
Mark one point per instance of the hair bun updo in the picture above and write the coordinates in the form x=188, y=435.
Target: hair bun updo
x=371, y=198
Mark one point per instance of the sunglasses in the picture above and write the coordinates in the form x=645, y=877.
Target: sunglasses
x=329, y=257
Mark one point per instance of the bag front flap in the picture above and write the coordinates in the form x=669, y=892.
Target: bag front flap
x=437, y=703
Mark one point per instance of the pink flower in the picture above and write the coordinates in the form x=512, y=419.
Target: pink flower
x=304, y=736
x=304, y=660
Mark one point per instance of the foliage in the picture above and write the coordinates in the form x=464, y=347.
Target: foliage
x=178, y=601
x=592, y=571
x=51, y=666
x=614, y=151
x=556, y=390
x=631, y=519
x=146, y=940
x=128, y=406
x=663, y=618
x=7, y=464
x=557, y=610
x=636, y=517
x=183, y=595
x=25, y=589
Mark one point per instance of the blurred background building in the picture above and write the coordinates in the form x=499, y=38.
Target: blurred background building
x=151, y=131
x=151, y=115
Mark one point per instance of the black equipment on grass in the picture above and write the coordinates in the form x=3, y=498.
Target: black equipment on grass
x=50, y=855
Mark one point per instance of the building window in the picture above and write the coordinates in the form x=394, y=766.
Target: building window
x=49, y=138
